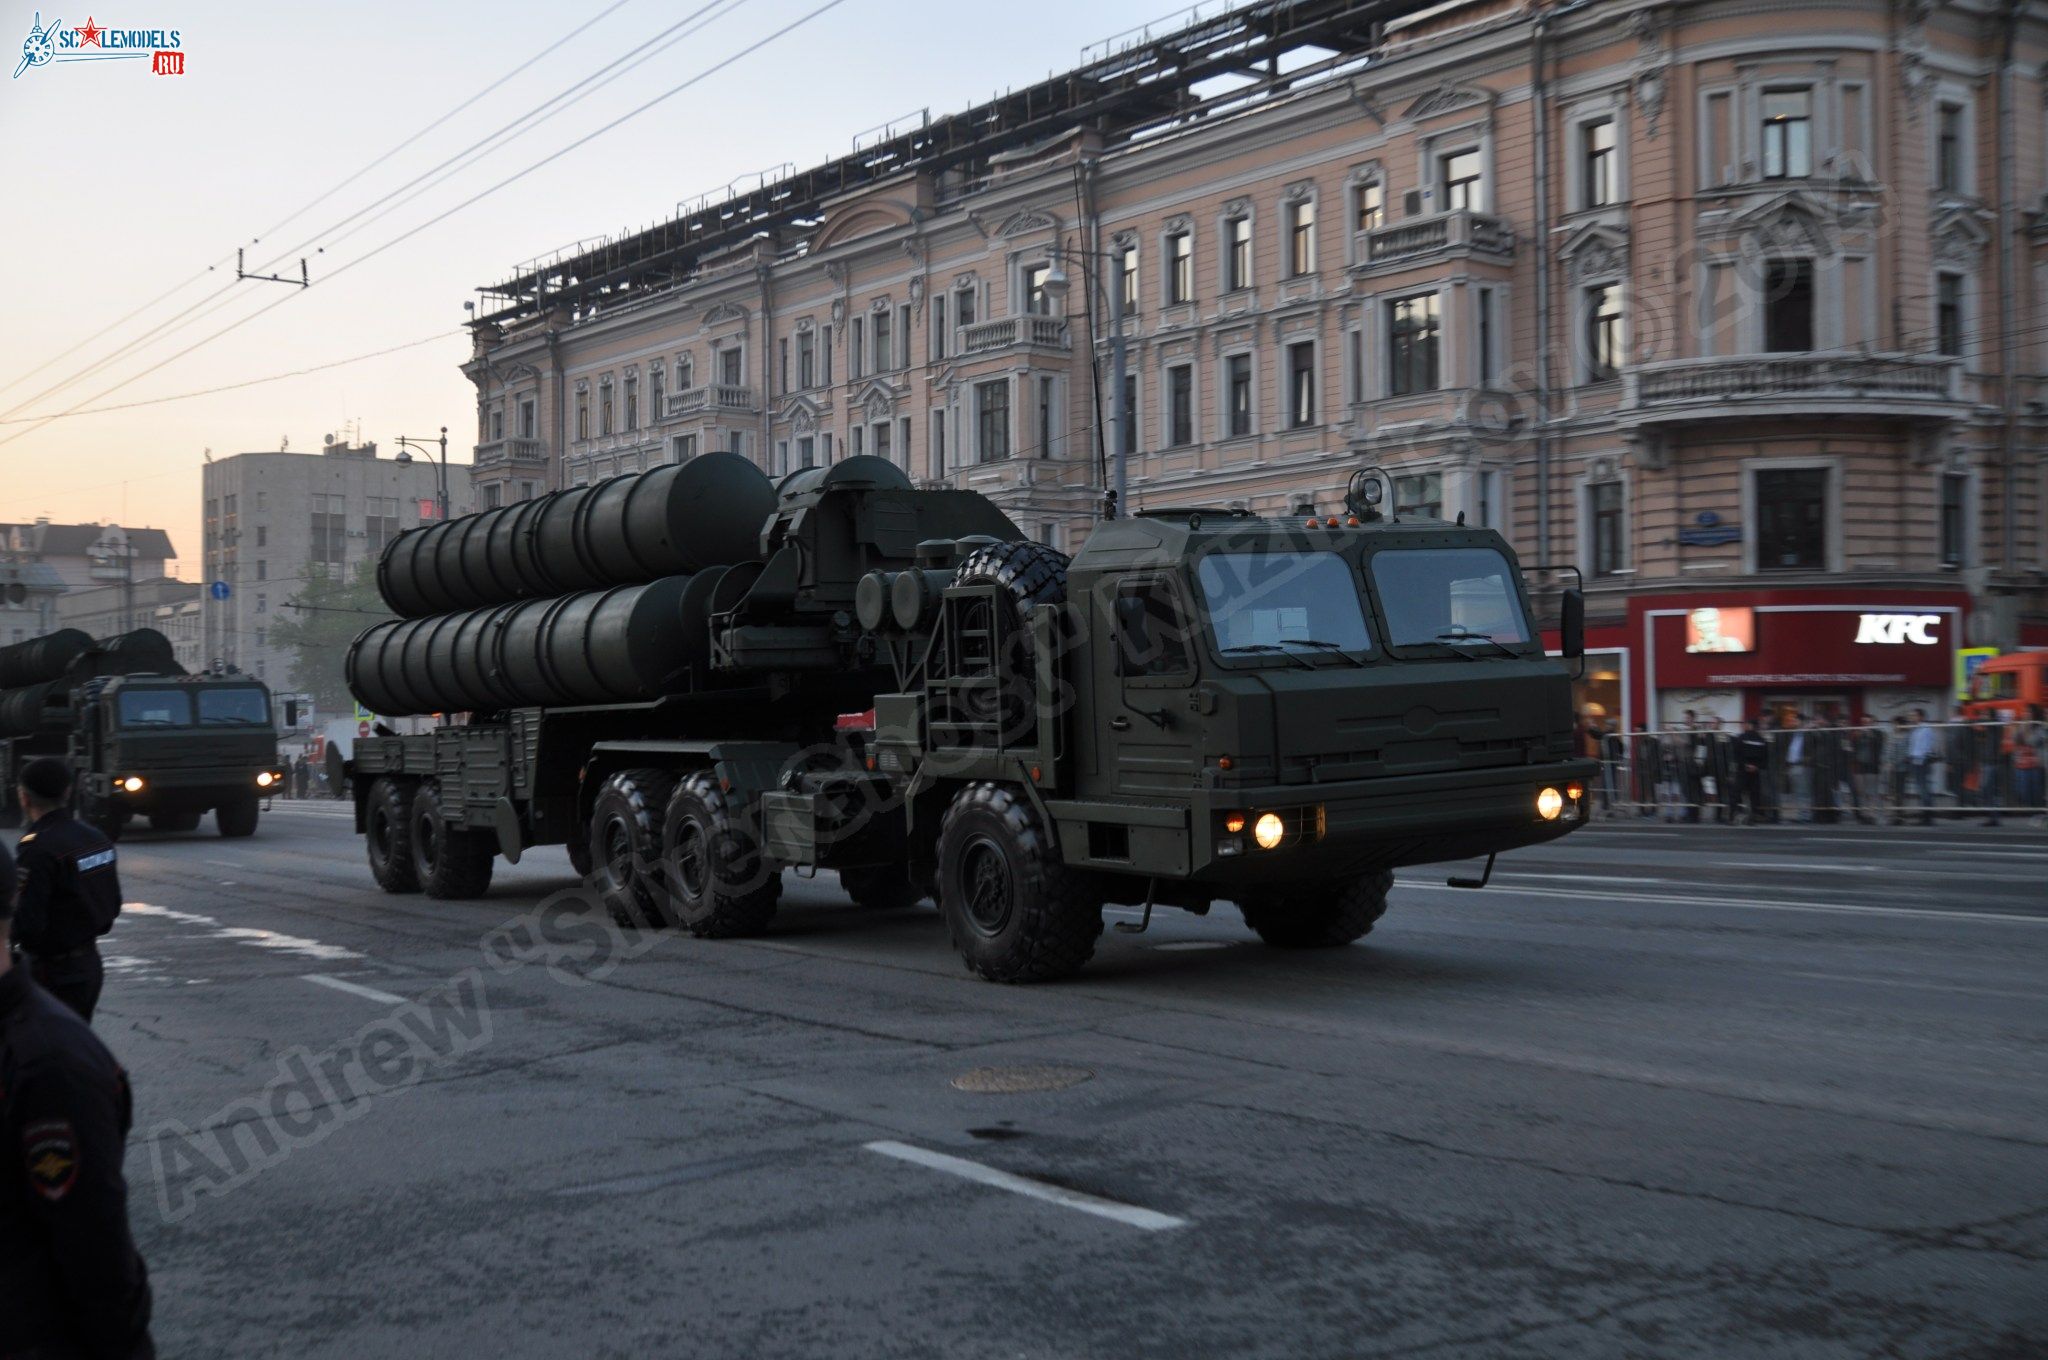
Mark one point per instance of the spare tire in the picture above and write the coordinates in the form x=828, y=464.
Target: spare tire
x=1031, y=574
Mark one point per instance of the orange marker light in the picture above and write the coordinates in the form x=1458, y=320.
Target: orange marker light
x=1036, y=774
x=1233, y=822
x=1575, y=791
x=1330, y=523
x=1314, y=523
x=1351, y=522
x=1223, y=762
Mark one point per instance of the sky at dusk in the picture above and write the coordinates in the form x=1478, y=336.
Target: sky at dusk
x=118, y=185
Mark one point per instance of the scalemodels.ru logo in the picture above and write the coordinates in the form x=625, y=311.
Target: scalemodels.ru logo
x=44, y=46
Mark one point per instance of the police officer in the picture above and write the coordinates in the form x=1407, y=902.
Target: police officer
x=71, y=1282
x=70, y=892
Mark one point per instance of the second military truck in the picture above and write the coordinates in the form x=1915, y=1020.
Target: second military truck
x=142, y=737
x=696, y=681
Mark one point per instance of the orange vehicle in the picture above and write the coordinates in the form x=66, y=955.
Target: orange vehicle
x=2009, y=687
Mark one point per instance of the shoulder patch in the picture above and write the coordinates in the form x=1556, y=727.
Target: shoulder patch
x=99, y=859
x=50, y=1150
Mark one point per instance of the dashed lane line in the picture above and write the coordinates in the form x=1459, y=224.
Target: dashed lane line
x=355, y=989
x=1149, y=1220
x=1750, y=904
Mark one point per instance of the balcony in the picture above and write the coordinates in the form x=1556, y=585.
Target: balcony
x=1805, y=384
x=508, y=452
x=986, y=337
x=1443, y=235
x=713, y=399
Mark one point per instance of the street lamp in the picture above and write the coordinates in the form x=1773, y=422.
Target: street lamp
x=1056, y=285
x=426, y=446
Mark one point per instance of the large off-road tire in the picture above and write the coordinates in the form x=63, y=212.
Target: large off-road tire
x=1032, y=574
x=1318, y=915
x=719, y=887
x=236, y=818
x=1015, y=912
x=881, y=887
x=387, y=835
x=625, y=846
x=175, y=821
x=449, y=864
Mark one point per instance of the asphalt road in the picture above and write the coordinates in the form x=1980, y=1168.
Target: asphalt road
x=1658, y=1092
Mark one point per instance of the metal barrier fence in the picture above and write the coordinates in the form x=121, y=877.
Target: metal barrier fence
x=1877, y=772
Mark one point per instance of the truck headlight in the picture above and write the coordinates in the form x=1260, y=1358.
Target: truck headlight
x=1269, y=830
x=1549, y=804
x=265, y=780
x=133, y=783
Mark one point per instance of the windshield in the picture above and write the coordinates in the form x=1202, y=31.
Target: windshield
x=1448, y=596
x=1283, y=601
x=155, y=708
x=245, y=707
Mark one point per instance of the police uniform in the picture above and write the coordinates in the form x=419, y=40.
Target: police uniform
x=72, y=1286
x=69, y=896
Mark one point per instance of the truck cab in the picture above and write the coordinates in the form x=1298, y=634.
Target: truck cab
x=172, y=749
x=1375, y=690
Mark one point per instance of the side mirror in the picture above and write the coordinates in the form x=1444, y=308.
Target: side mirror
x=291, y=713
x=1571, y=627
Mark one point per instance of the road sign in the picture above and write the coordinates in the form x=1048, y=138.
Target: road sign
x=219, y=590
x=363, y=728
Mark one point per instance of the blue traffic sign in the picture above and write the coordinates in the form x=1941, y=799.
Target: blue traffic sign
x=219, y=590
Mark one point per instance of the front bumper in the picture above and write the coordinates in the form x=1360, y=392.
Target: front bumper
x=1339, y=829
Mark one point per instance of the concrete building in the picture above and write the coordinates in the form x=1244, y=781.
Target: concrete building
x=106, y=610
x=274, y=521
x=85, y=555
x=1734, y=307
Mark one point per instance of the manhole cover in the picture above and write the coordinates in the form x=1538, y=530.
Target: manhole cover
x=1004, y=1081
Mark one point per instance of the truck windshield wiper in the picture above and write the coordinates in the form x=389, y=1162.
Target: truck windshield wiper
x=1318, y=643
x=1451, y=636
x=1268, y=649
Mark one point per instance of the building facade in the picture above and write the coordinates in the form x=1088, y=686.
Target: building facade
x=109, y=609
x=1728, y=306
x=87, y=555
x=274, y=521
x=29, y=592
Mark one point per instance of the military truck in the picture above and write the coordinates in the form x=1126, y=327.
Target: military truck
x=894, y=683
x=143, y=738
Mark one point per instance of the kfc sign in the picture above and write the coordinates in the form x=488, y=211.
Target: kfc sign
x=1892, y=630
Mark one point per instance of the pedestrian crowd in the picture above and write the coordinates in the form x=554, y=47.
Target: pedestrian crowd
x=1823, y=769
x=303, y=778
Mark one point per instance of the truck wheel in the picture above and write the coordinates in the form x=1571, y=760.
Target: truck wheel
x=387, y=833
x=1032, y=574
x=448, y=864
x=1015, y=912
x=625, y=842
x=579, y=855
x=102, y=817
x=1318, y=915
x=882, y=887
x=174, y=821
x=718, y=886
x=236, y=819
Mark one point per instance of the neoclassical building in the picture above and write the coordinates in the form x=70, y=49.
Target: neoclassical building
x=1730, y=306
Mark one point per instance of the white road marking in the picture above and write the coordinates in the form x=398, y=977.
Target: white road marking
x=1150, y=1220
x=262, y=939
x=1839, y=908
x=1922, y=986
x=355, y=988
x=1193, y=944
x=1594, y=879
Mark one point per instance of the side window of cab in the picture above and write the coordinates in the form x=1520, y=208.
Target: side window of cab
x=1151, y=629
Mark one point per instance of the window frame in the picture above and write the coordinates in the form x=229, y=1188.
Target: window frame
x=1292, y=350
x=1392, y=331
x=1752, y=542
x=1300, y=247
x=1766, y=125
x=1169, y=421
